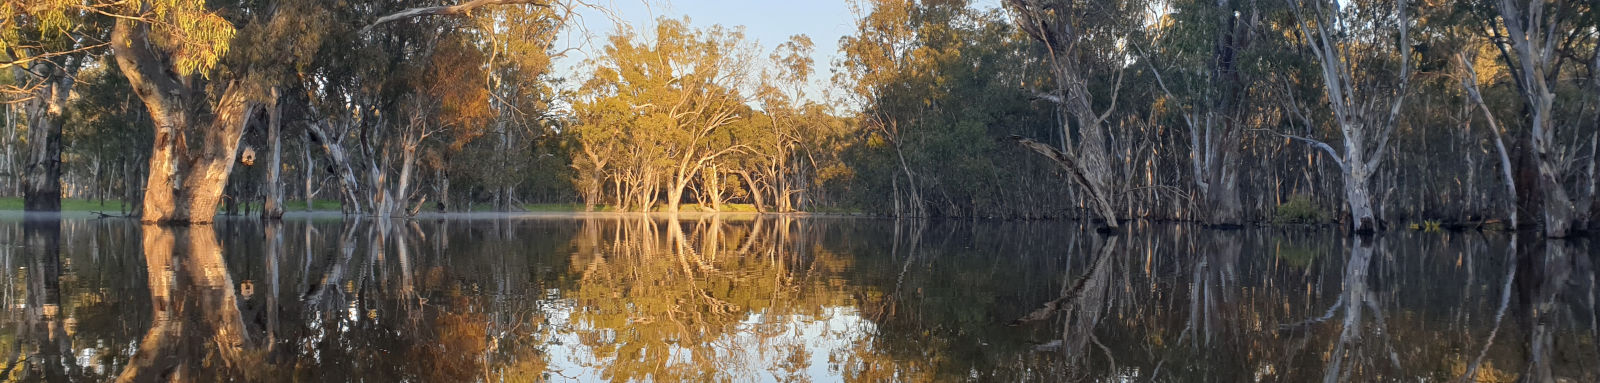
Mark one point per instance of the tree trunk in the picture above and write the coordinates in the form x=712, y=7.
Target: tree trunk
x=185, y=182
x=675, y=194
x=272, y=207
x=310, y=174
x=402, y=193
x=1529, y=58
x=1358, y=196
x=1097, y=199
x=1470, y=82
x=755, y=192
x=41, y=183
x=713, y=180
x=341, y=164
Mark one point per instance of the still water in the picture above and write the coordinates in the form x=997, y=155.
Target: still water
x=615, y=298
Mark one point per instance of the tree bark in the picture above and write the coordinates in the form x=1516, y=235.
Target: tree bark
x=185, y=183
x=348, y=185
x=310, y=174
x=272, y=207
x=1530, y=40
x=1098, y=201
x=41, y=183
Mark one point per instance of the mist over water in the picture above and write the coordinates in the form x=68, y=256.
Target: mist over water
x=628, y=298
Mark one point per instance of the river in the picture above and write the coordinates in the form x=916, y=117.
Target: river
x=564, y=297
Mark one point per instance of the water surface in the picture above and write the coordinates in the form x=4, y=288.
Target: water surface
x=618, y=298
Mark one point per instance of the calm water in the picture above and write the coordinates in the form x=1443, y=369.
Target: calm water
x=783, y=299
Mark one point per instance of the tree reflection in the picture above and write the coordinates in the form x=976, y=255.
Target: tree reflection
x=197, y=332
x=700, y=298
x=45, y=326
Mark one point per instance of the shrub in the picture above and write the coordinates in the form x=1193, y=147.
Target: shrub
x=1300, y=209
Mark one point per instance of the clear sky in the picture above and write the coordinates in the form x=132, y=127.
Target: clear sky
x=768, y=22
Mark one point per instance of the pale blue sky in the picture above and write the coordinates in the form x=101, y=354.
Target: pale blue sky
x=768, y=22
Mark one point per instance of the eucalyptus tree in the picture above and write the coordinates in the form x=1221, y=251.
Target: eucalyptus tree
x=1355, y=46
x=203, y=70
x=679, y=88
x=877, y=61
x=782, y=96
x=1081, y=41
x=1201, y=44
x=1538, y=40
x=44, y=47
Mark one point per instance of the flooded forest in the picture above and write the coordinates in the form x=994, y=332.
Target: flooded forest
x=946, y=190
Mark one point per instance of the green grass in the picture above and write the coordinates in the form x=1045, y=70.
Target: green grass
x=70, y=204
x=578, y=207
x=301, y=205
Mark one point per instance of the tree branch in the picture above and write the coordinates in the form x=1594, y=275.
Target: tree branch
x=457, y=9
x=1314, y=143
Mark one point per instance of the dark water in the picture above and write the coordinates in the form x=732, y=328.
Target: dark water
x=784, y=299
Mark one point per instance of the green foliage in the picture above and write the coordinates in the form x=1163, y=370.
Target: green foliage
x=1300, y=209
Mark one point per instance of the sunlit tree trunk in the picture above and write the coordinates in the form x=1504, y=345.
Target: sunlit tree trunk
x=185, y=183
x=755, y=190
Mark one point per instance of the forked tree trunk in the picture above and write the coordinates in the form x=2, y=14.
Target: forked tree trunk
x=348, y=187
x=185, y=183
x=272, y=208
x=1364, y=114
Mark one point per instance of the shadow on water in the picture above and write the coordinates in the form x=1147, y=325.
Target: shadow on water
x=784, y=299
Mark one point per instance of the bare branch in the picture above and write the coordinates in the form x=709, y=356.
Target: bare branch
x=1314, y=143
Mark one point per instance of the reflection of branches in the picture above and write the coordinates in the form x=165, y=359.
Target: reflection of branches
x=335, y=267
x=1074, y=296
